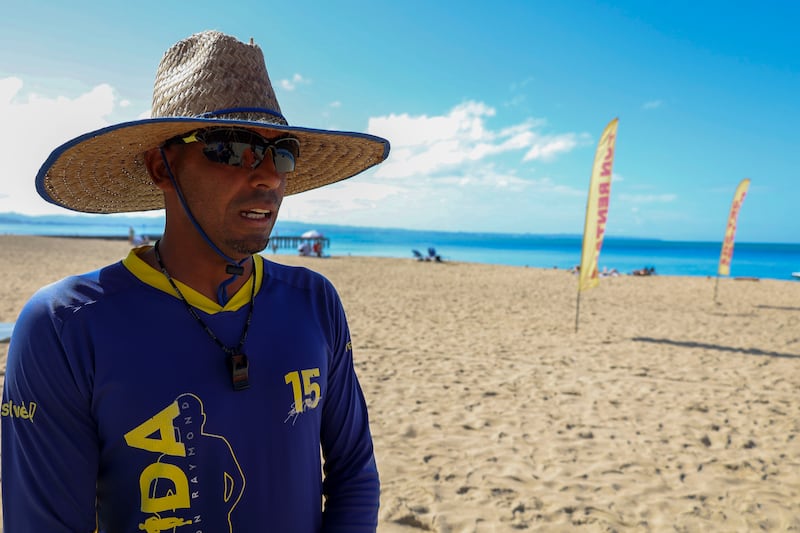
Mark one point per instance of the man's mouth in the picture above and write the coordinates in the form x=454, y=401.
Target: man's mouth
x=256, y=214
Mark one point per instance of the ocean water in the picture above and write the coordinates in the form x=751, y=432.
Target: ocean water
x=776, y=261
x=760, y=260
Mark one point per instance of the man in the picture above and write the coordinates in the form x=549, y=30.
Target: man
x=217, y=418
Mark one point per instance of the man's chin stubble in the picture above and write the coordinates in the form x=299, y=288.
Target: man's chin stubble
x=248, y=247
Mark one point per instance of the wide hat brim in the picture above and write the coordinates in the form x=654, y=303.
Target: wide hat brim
x=103, y=171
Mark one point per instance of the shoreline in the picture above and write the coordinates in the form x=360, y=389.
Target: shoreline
x=267, y=253
x=670, y=258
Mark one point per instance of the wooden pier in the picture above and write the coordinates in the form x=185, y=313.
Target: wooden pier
x=286, y=241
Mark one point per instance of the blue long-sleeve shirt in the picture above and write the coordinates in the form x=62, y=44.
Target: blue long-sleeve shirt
x=119, y=413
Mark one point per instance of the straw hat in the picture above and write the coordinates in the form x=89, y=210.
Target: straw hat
x=103, y=171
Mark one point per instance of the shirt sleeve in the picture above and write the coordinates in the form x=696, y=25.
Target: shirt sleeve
x=351, y=486
x=49, y=442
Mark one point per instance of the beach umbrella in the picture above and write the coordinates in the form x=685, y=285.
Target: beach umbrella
x=312, y=234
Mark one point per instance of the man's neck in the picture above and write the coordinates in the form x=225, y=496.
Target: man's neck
x=204, y=272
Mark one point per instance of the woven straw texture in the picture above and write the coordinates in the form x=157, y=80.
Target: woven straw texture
x=103, y=171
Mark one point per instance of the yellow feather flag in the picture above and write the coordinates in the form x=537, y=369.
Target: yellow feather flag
x=597, y=207
x=726, y=255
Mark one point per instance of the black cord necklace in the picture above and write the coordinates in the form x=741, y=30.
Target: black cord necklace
x=237, y=361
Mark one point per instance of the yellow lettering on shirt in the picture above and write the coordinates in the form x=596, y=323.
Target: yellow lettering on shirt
x=177, y=497
x=18, y=410
x=143, y=436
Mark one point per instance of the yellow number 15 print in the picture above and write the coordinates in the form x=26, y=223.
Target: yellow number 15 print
x=306, y=392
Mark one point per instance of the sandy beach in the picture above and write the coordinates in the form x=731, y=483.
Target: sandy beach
x=666, y=411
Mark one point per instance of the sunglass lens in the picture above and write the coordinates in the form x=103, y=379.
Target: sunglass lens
x=232, y=153
x=243, y=148
x=284, y=160
x=290, y=144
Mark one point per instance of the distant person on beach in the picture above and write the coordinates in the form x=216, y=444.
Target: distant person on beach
x=137, y=240
x=645, y=271
x=240, y=409
x=606, y=273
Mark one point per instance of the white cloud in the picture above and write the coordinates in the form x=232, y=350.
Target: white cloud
x=335, y=104
x=653, y=104
x=450, y=203
x=335, y=201
x=494, y=181
x=428, y=145
x=548, y=147
x=9, y=87
x=292, y=84
x=451, y=171
x=33, y=125
x=487, y=196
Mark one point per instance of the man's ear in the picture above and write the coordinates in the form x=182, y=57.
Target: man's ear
x=157, y=169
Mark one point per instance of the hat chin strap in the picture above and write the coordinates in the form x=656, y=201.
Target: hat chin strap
x=234, y=268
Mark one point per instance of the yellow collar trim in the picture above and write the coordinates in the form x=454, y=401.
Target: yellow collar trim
x=149, y=275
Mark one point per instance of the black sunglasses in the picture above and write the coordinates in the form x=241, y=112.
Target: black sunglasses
x=242, y=148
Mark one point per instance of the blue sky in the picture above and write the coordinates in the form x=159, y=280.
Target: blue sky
x=493, y=111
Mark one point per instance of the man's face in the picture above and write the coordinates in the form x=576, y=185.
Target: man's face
x=235, y=205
